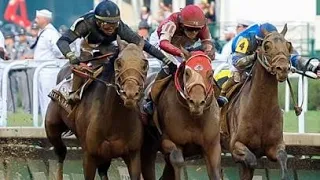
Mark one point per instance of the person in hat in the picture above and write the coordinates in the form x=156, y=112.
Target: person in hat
x=242, y=24
x=229, y=34
x=100, y=28
x=181, y=29
x=9, y=43
x=45, y=49
x=23, y=44
x=244, y=54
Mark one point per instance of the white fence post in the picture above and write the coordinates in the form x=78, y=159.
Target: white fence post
x=5, y=78
x=55, y=63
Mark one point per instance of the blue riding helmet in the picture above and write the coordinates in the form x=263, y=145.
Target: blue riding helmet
x=266, y=26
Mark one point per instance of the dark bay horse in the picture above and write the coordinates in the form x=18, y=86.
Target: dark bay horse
x=189, y=118
x=254, y=119
x=107, y=121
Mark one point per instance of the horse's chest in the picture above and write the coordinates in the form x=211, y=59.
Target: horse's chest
x=185, y=134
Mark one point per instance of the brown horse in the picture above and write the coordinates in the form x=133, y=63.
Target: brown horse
x=107, y=121
x=254, y=119
x=188, y=115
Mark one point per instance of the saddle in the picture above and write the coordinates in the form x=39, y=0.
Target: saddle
x=224, y=125
x=61, y=91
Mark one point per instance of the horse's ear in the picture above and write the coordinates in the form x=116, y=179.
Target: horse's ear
x=185, y=53
x=121, y=44
x=284, y=30
x=141, y=44
x=290, y=48
x=187, y=74
x=209, y=76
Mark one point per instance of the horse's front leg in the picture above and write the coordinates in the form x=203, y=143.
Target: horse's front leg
x=278, y=153
x=89, y=166
x=212, y=155
x=103, y=170
x=242, y=154
x=133, y=162
x=175, y=157
x=248, y=160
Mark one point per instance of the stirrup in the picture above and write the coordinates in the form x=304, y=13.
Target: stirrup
x=222, y=101
x=73, y=98
x=148, y=108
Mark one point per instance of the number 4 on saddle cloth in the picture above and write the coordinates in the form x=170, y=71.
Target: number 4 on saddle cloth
x=61, y=92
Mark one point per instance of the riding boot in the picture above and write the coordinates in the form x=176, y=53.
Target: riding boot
x=74, y=95
x=148, y=106
x=222, y=99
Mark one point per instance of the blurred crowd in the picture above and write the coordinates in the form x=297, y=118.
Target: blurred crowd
x=18, y=40
x=39, y=42
x=150, y=20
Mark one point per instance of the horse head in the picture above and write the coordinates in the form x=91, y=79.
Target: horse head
x=197, y=78
x=131, y=69
x=274, y=54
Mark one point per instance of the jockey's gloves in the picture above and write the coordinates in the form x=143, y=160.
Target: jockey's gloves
x=246, y=61
x=72, y=58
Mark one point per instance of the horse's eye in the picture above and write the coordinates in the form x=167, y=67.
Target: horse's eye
x=145, y=66
x=267, y=46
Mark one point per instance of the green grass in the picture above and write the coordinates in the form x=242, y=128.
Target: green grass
x=19, y=118
x=312, y=121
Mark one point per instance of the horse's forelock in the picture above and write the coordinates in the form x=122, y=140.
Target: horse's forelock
x=131, y=51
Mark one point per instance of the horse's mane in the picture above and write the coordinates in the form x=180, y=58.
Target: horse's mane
x=108, y=68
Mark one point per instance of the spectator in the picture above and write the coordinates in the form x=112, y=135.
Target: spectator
x=146, y=15
x=242, y=25
x=22, y=45
x=21, y=76
x=34, y=32
x=143, y=30
x=45, y=48
x=9, y=44
x=229, y=34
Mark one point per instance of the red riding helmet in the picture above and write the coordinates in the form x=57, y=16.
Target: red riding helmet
x=192, y=16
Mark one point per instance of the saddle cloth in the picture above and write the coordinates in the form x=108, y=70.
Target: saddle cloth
x=62, y=90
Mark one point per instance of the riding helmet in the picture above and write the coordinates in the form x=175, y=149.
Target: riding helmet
x=192, y=16
x=265, y=27
x=107, y=11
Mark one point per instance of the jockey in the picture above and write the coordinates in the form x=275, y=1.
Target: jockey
x=100, y=28
x=181, y=29
x=244, y=48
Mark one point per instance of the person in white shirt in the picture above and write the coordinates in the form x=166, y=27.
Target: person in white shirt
x=1, y=46
x=45, y=45
x=229, y=34
x=45, y=49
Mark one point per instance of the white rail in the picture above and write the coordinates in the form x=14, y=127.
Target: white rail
x=39, y=65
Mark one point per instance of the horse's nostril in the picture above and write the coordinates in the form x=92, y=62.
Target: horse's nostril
x=203, y=102
x=191, y=101
x=278, y=68
x=137, y=94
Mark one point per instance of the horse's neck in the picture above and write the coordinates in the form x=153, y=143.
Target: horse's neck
x=263, y=87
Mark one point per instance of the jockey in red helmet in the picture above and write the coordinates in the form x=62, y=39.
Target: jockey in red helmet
x=184, y=28
x=180, y=29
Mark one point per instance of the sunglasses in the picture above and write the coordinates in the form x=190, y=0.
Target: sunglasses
x=107, y=24
x=191, y=29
